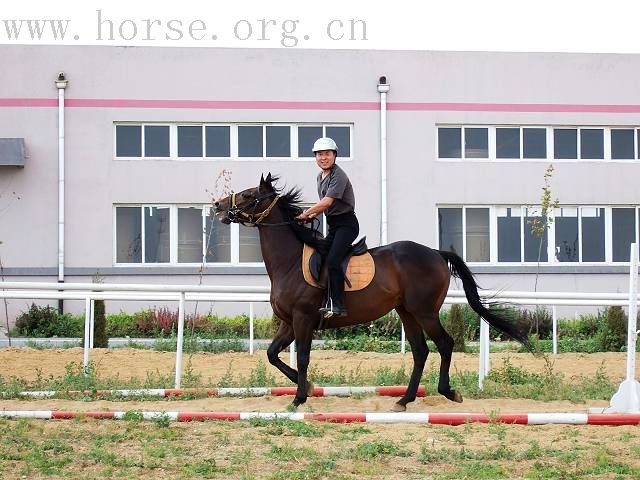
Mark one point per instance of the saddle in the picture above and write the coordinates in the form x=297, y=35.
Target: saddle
x=358, y=267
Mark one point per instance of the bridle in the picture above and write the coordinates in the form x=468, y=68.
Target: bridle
x=238, y=212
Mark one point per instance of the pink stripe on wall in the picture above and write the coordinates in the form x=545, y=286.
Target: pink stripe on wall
x=312, y=105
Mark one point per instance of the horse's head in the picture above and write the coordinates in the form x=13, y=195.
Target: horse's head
x=250, y=206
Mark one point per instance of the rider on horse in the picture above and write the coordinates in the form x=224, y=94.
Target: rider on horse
x=338, y=202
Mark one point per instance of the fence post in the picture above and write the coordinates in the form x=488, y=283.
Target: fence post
x=483, y=369
x=250, y=328
x=87, y=328
x=555, y=330
x=403, y=337
x=627, y=398
x=179, y=340
x=292, y=354
x=92, y=322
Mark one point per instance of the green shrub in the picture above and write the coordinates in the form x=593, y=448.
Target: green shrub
x=612, y=334
x=100, y=339
x=121, y=324
x=47, y=322
x=540, y=321
x=584, y=327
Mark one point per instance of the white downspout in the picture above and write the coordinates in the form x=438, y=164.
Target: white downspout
x=383, y=88
x=61, y=84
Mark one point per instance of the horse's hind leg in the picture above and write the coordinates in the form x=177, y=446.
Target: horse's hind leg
x=419, y=350
x=444, y=342
x=282, y=340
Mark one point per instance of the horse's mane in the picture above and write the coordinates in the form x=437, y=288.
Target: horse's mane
x=292, y=205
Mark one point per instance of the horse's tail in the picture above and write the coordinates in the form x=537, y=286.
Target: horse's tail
x=499, y=318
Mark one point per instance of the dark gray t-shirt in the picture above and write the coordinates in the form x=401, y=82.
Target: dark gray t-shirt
x=338, y=186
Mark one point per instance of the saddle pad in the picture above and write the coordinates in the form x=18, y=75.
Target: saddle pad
x=360, y=270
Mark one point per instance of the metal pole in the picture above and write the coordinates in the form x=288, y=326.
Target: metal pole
x=292, y=354
x=87, y=327
x=403, y=336
x=484, y=353
x=92, y=322
x=633, y=315
x=250, y=328
x=555, y=330
x=179, y=340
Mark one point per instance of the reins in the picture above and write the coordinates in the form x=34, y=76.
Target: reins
x=238, y=213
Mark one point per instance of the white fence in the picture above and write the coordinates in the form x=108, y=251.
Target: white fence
x=251, y=294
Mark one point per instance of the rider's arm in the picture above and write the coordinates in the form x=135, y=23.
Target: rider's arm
x=317, y=209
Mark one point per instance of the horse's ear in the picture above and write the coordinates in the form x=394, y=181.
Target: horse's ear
x=262, y=179
x=268, y=180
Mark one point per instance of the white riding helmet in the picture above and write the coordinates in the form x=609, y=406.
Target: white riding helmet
x=325, y=143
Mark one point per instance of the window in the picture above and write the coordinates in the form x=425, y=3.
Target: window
x=566, y=234
x=477, y=234
x=250, y=244
x=450, y=229
x=190, y=141
x=535, y=246
x=449, y=142
x=623, y=226
x=509, y=225
x=592, y=143
x=593, y=234
x=622, y=145
x=231, y=141
x=217, y=241
x=507, y=143
x=565, y=143
x=156, y=234
x=534, y=143
x=128, y=235
x=190, y=235
x=476, y=142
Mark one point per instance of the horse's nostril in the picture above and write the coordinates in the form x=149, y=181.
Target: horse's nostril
x=216, y=204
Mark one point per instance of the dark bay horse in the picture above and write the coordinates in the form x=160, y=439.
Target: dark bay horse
x=410, y=278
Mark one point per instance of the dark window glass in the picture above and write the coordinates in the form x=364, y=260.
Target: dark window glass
x=591, y=143
x=278, y=141
x=565, y=143
x=534, y=143
x=341, y=135
x=128, y=141
x=476, y=143
x=532, y=243
x=507, y=143
x=250, y=141
x=567, y=246
x=622, y=147
x=190, y=141
x=128, y=235
x=477, y=232
x=306, y=137
x=218, y=141
x=249, y=248
x=592, y=234
x=218, y=240
x=450, y=229
x=156, y=141
x=449, y=143
x=190, y=235
x=156, y=234
x=508, y=234
x=623, y=226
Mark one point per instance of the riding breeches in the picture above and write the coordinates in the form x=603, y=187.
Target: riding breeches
x=343, y=230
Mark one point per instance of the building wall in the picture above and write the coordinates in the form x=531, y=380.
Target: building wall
x=480, y=88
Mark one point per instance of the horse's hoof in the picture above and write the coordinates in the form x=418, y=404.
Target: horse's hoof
x=310, y=389
x=457, y=396
x=398, y=408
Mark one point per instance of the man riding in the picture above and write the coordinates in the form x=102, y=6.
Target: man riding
x=338, y=202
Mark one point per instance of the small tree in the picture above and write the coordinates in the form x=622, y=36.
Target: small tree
x=100, y=339
x=457, y=328
x=540, y=225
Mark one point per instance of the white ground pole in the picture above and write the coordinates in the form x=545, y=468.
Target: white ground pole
x=250, y=328
x=483, y=369
x=555, y=330
x=92, y=322
x=403, y=337
x=627, y=398
x=179, y=340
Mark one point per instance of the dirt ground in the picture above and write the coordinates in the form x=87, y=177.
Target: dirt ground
x=130, y=363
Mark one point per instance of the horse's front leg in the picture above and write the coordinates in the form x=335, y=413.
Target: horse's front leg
x=303, y=328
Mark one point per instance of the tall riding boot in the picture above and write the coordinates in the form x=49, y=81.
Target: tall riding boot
x=335, y=307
